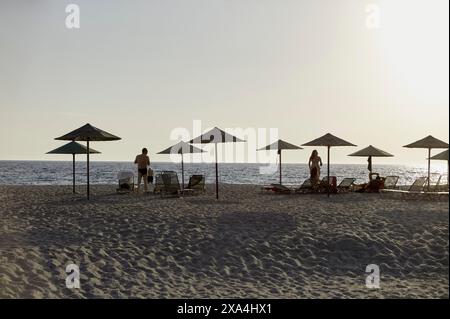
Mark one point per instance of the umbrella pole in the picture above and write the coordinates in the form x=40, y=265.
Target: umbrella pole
x=279, y=152
x=73, y=173
x=87, y=168
x=429, y=164
x=217, y=174
x=328, y=171
x=182, y=173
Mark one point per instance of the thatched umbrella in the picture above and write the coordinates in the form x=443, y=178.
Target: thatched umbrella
x=369, y=152
x=280, y=145
x=215, y=136
x=429, y=143
x=73, y=148
x=328, y=140
x=182, y=148
x=443, y=156
x=88, y=133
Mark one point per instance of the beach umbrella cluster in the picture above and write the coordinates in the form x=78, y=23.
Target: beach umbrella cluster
x=182, y=148
x=88, y=133
x=73, y=148
x=428, y=143
x=213, y=136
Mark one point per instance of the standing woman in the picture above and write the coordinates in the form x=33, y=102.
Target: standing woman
x=314, y=166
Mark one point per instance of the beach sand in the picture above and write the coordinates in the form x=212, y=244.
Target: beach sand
x=247, y=244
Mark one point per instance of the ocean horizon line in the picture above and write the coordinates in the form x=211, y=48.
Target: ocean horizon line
x=239, y=163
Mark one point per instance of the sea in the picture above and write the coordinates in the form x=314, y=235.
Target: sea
x=60, y=172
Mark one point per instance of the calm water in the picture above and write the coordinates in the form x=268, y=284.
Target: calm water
x=60, y=173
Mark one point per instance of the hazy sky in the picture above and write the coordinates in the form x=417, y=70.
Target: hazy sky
x=140, y=69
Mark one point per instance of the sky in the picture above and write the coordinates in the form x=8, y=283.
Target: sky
x=371, y=72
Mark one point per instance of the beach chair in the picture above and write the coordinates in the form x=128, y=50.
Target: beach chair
x=195, y=185
x=126, y=182
x=306, y=187
x=418, y=190
x=345, y=185
x=439, y=187
x=158, y=183
x=443, y=184
x=437, y=191
x=417, y=187
x=276, y=188
x=436, y=187
x=390, y=182
x=323, y=185
x=167, y=184
x=310, y=187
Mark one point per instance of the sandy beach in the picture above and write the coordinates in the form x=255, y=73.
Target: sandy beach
x=246, y=245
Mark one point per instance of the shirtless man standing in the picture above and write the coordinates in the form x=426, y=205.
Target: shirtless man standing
x=142, y=161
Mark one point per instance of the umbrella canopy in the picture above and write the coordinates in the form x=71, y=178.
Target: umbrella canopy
x=371, y=151
x=429, y=143
x=88, y=133
x=73, y=148
x=279, y=146
x=328, y=140
x=182, y=148
x=443, y=156
x=215, y=135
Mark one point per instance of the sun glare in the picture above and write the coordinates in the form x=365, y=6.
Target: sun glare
x=414, y=42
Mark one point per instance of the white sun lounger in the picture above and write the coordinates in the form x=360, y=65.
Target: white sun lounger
x=417, y=190
x=126, y=181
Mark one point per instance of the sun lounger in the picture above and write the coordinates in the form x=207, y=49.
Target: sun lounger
x=443, y=184
x=126, y=182
x=306, y=187
x=196, y=185
x=439, y=188
x=282, y=189
x=345, y=185
x=436, y=187
x=158, y=182
x=276, y=188
x=390, y=182
x=377, y=184
x=418, y=185
x=167, y=184
x=327, y=182
x=416, y=188
x=309, y=187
